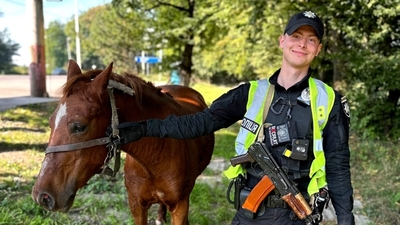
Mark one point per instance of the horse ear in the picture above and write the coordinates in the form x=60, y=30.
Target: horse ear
x=101, y=80
x=73, y=69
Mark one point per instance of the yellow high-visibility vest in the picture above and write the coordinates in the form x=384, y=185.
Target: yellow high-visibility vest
x=322, y=98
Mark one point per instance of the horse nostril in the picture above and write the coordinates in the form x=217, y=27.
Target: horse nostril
x=46, y=201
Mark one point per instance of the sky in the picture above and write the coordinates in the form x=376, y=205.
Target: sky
x=14, y=19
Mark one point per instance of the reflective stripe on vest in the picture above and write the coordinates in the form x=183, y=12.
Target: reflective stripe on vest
x=321, y=97
x=252, y=119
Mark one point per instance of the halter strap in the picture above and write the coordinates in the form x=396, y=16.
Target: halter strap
x=112, y=142
x=79, y=145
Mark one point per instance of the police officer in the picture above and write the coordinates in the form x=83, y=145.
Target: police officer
x=306, y=127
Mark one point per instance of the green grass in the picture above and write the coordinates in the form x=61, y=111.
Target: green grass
x=376, y=178
x=24, y=134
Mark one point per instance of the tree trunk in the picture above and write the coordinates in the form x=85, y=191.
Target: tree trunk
x=186, y=65
x=392, y=100
x=338, y=64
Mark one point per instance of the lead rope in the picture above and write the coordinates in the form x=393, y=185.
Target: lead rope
x=113, y=146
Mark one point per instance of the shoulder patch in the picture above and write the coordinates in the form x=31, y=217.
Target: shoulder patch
x=250, y=125
x=345, y=106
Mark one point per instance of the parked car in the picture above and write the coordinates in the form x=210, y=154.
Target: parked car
x=59, y=71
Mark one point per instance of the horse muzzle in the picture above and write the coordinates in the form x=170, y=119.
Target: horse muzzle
x=50, y=202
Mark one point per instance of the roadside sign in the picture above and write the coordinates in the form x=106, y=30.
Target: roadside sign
x=147, y=59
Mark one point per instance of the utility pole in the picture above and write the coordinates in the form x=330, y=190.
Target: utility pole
x=37, y=66
x=78, y=42
x=69, y=48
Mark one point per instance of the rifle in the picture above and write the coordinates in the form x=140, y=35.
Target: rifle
x=274, y=177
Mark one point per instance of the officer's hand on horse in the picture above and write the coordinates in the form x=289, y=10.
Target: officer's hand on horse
x=129, y=131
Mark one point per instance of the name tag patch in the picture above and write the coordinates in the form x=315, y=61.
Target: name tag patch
x=250, y=125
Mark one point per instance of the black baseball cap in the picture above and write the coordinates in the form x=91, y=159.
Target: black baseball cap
x=305, y=18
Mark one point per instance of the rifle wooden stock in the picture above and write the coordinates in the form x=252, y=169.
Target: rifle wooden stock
x=298, y=204
x=258, y=194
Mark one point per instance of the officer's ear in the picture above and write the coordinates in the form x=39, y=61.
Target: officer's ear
x=281, y=40
x=318, y=49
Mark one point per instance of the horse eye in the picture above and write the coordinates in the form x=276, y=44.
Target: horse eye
x=77, y=128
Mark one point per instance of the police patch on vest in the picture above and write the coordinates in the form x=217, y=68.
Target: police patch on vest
x=345, y=106
x=250, y=125
x=279, y=134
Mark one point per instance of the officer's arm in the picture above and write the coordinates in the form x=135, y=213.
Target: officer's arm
x=223, y=112
x=336, y=147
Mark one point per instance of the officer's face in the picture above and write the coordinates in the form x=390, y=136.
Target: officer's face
x=300, y=48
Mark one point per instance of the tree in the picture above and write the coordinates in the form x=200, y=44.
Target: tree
x=175, y=25
x=247, y=42
x=106, y=37
x=8, y=49
x=56, y=46
x=372, y=54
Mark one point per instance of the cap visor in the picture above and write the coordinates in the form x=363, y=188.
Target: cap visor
x=295, y=27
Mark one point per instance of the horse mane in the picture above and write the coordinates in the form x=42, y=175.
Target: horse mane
x=79, y=83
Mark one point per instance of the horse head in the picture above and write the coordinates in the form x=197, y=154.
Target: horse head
x=79, y=116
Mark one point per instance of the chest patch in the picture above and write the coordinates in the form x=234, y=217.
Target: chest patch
x=345, y=106
x=305, y=96
x=250, y=125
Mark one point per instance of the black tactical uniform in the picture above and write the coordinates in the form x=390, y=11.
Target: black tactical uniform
x=286, y=108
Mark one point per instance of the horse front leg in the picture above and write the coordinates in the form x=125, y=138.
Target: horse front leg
x=139, y=213
x=179, y=213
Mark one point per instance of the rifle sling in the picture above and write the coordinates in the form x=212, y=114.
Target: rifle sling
x=265, y=186
x=267, y=104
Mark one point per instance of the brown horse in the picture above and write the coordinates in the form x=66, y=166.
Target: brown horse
x=157, y=170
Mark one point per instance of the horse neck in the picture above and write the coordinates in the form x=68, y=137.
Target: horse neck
x=149, y=106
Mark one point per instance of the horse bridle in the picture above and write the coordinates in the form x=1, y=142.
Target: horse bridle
x=112, y=142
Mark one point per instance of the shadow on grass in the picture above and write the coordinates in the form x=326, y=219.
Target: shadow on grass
x=10, y=147
x=5, y=129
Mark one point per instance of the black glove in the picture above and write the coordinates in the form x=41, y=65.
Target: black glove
x=129, y=131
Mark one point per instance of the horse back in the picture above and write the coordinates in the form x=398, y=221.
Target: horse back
x=186, y=97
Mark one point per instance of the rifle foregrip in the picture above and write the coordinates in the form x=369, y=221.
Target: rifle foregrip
x=298, y=204
x=241, y=159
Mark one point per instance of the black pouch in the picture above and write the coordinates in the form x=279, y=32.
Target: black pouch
x=239, y=183
x=244, y=193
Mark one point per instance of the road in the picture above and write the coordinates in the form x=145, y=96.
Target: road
x=15, y=90
x=19, y=85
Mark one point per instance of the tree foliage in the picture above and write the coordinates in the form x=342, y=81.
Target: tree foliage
x=106, y=37
x=56, y=46
x=370, y=47
x=8, y=49
x=178, y=23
